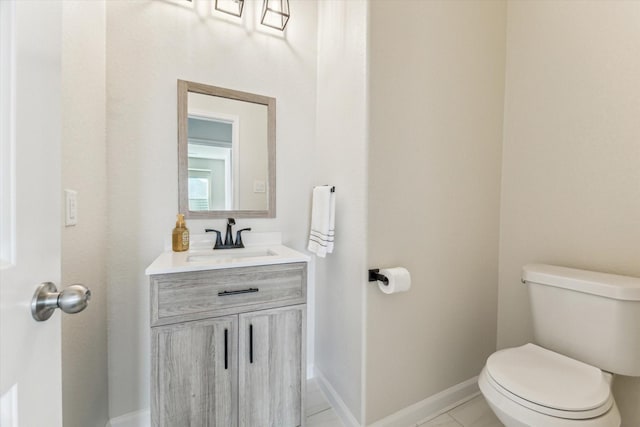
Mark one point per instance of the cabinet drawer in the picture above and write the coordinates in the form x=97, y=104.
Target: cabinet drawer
x=179, y=297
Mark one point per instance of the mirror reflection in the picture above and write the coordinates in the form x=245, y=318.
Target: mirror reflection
x=227, y=149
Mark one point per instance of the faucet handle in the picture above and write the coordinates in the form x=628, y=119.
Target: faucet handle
x=239, y=243
x=218, y=237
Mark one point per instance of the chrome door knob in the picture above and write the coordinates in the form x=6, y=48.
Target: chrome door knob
x=46, y=299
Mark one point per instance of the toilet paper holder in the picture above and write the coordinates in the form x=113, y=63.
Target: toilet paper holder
x=375, y=276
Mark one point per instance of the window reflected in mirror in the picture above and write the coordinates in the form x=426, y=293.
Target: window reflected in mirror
x=229, y=164
x=210, y=164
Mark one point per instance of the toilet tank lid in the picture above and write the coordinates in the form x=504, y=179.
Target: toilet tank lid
x=591, y=282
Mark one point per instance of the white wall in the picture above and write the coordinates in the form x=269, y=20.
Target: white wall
x=571, y=159
x=84, y=246
x=340, y=159
x=436, y=102
x=151, y=44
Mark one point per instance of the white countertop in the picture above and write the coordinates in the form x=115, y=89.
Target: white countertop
x=199, y=258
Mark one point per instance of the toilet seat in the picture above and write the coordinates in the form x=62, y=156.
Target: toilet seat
x=513, y=414
x=549, y=383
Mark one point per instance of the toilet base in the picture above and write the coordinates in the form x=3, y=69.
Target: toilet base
x=512, y=414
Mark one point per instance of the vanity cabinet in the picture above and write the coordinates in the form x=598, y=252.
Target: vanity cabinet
x=228, y=347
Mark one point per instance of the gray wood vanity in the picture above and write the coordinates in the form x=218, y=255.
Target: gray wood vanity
x=228, y=346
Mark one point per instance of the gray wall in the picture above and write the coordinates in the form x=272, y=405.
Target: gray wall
x=571, y=160
x=84, y=168
x=436, y=105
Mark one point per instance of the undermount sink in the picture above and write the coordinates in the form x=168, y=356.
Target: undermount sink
x=224, y=255
x=202, y=257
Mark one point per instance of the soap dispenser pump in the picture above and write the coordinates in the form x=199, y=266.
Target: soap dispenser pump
x=180, y=235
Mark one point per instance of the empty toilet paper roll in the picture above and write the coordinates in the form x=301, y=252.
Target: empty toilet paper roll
x=399, y=280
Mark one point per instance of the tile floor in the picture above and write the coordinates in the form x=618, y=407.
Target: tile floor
x=318, y=409
x=474, y=413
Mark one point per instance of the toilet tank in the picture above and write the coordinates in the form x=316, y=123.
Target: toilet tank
x=589, y=316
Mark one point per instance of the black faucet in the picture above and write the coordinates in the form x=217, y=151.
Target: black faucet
x=228, y=239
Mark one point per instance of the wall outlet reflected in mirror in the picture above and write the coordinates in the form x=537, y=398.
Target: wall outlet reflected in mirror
x=259, y=186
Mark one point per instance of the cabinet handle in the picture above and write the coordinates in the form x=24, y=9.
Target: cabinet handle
x=226, y=347
x=250, y=343
x=241, y=291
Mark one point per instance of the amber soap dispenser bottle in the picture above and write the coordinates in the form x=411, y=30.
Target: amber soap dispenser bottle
x=180, y=235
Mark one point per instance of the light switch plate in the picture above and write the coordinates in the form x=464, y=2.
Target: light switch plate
x=71, y=207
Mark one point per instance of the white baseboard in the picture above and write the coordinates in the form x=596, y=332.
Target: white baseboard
x=419, y=412
x=432, y=406
x=336, y=401
x=132, y=419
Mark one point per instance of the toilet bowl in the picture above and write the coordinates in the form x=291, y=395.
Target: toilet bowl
x=531, y=386
x=586, y=328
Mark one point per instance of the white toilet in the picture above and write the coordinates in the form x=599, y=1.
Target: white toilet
x=587, y=328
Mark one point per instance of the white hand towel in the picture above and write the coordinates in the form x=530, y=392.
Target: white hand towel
x=323, y=217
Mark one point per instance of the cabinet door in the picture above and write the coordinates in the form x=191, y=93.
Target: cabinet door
x=194, y=374
x=271, y=371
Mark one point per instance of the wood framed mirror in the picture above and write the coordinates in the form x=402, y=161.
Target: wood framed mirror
x=226, y=153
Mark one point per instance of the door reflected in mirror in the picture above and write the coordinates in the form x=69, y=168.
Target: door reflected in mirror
x=226, y=145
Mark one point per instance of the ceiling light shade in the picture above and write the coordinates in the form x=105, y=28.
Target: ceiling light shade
x=275, y=14
x=231, y=7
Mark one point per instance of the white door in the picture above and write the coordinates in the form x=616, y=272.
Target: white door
x=30, y=37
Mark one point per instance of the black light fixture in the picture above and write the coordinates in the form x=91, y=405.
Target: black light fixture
x=230, y=7
x=275, y=14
